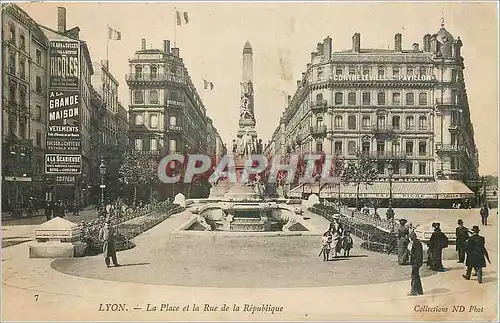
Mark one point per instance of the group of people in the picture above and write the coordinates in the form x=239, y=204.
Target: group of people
x=335, y=240
x=59, y=208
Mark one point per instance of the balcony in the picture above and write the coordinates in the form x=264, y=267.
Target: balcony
x=174, y=128
x=175, y=103
x=317, y=131
x=386, y=155
x=134, y=78
x=448, y=148
x=446, y=101
x=319, y=106
x=454, y=126
x=382, y=130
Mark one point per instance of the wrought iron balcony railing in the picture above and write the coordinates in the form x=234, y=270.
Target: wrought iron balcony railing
x=386, y=154
x=382, y=129
x=138, y=77
x=174, y=128
x=319, y=106
x=449, y=148
x=318, y=130
x=447, y=101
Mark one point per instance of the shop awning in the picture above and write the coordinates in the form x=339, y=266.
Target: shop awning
x=446, y=189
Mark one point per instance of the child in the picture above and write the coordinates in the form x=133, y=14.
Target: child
x=347, y=243
x=326, y=241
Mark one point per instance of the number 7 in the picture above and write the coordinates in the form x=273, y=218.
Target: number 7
x=36, y=297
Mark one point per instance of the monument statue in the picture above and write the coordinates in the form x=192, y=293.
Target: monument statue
x=247, y=144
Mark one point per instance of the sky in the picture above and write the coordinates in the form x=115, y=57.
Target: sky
x=283, y=35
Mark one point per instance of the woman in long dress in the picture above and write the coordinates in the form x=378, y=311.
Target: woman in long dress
x=337, y=233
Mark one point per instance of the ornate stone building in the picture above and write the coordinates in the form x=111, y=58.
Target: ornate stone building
x=407, y=108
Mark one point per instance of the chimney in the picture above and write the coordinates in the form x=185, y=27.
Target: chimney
x=105, y=63
x=61, y=19
x=175, y=51
x=166, y=46
x=398, y=42
x=313, y=54
x=356, y=43
x=327, y=48
x=143, y=43
x=415, y=46
x=427, y=43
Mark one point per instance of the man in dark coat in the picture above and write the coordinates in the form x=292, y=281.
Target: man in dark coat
x=462, y=234
x=436, y=244
x=484, y=214
x=107, y=236
x=402, y=242
x=476, y=254
x=416, y=260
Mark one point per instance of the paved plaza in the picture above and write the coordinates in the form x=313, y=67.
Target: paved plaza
x=178, y=269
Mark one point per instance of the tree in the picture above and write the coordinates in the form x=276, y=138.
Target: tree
x=360, y=171
x=138, y=170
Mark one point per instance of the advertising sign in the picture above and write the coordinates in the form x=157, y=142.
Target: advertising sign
x=63, y=123
x=64, y=64
x=63, y=164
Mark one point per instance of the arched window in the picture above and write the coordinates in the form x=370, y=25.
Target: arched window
x=138, y=72
x=422, y=123
x=422, y=70
x=154, y=72
x=319, y=146
x=173, y=121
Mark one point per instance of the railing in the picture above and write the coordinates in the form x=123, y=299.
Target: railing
x=155, y=77
x=175, y=103
x=319, y=106
x=450, y=101
x=447, y=147
x=386, y=154
x=382, y=129
x=174, y=128
x=318, y=130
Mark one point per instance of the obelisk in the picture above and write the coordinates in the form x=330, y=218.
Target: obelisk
x=246, y=122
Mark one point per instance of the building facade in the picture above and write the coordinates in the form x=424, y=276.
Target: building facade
x=24, y=107
x=166, y=114
x=404, y=108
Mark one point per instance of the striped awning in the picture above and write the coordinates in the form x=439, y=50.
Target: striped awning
x=445, y=189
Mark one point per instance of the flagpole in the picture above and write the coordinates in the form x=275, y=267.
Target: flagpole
x=107, y=43
x=175, y=27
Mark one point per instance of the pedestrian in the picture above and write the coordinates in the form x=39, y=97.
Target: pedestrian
x=76, y=210
x=476, y=254
x=484, y=212
x=48, y=210
x=337, y=232
x=416, y=260
x=326, y=241
x=462, y=234
x=347, y=243
x=107, y=236
x=389, y=214
x=437, y=242
x=402, y=242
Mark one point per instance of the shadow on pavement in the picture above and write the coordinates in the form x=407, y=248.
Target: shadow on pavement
x=136, y=264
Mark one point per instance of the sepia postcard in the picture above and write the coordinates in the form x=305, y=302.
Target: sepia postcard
x=249, y=161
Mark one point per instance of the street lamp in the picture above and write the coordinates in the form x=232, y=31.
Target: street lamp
x=102, y=170
x=390, y=170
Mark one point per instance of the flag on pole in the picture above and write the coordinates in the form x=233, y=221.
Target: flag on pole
x=114, y=34
x=179, y=18
x=208, y=85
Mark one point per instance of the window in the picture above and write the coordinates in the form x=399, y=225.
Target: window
x=453, y=75
x=422, y=98
x=339, y=98
x=22, y=69
x=338, y=122
x=396, y=98
x=455, y=120
x=22, y=97
x=395, y=168
x=381, y=98
x=396, y=146
x=173, y=121
x=380, y=147
x=38, y=112
x=380, y=167
x=173, y=145
x=352, y=70
x=338, y=147
x=409, y=168
x=12, y=63
x=366, y=122
x=22, y=127
x=38, y=140
x=320, y=74
x=410, y=98
x=138, y=144
x=396, y=122
x=454, y=96
x=381, y=122
x=381, y=72
x=138, y=72
x=410, y=123
x=338, y=71
x=351, y=98
x=139, y=121
x=153, y=121
x=395, y=71
x=422, y=148
x=365, y=147
x=366, y=71
x=38, y=84
x=409, y=70
x=12, y=92
x=453, y=139
x=39, y=57
x=174, y=95
x=319, y=121
x=366, y=98
x=422, y=123
x=421, y=169
x=351, y=148
x=409, y=148
x=138, y=97
x=153, y=144
x=22, y=42
x=13, y=34
x=154, y=72
x=319, y=97
x=153, y=96
x=422, y=70
x=351, y=122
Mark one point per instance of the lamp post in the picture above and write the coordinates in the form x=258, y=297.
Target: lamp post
x=102, y=170
x=390, y=170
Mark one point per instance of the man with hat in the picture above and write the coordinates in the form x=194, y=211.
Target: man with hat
x=416, y=260
x=462, y=234
x=402, y=242
x=437, y=242
x=107, y=236
x=476, y=254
